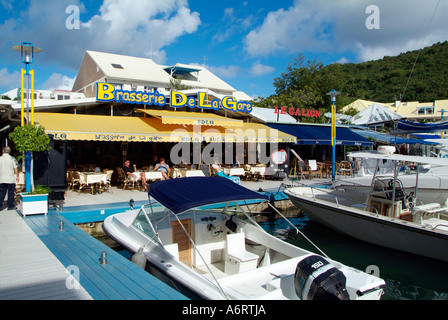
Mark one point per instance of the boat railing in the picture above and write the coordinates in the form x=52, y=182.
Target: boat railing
x=440, y=225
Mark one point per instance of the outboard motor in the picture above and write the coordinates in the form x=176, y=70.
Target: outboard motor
x=317, y=279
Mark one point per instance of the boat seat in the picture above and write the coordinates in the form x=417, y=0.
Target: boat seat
x=237, y=258
x=173, y=249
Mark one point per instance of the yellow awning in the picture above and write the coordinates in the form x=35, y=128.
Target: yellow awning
x=192, y=118
x=108, y=128
x=135, y=129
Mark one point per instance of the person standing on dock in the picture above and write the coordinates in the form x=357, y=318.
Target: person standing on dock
x=8, y=168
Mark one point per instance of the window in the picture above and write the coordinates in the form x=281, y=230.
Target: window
x=425, y=110
x=117, y=66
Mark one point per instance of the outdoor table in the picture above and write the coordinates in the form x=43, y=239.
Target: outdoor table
x=181, y=172
x=95, y=179
x=258, y=170
x=153, y=175
x=234, y=171
x=92, y=178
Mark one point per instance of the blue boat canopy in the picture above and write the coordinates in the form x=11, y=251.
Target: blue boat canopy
x=182, y=194
x=409, y=127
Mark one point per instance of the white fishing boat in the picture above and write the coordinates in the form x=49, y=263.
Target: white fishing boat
x=198, y=235
x=388, y=215
x=413, y=172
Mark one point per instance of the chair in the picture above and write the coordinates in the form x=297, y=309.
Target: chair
x=247, y=172
x=127, y=181
x=74, y=179
x=315, y=168
x=83, y=183
x=121, y=175
x=345, y=168
x=303, y=170
x=107, y=185
x=237, y=258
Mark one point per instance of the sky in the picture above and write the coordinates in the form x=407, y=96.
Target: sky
x=246, y=43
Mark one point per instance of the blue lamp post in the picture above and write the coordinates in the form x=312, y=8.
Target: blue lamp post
x=333, y=93
x=442, y=112
x=27, y=50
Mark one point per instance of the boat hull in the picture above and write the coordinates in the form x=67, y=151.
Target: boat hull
x=387, y=232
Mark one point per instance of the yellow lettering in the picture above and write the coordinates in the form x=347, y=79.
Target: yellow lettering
x=201, y=103
x=104, y=92
x=229, y=103
x=181, y=96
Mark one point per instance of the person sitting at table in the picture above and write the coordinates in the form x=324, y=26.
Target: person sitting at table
x=134, y=174
x=163, y=168
x=217, y=169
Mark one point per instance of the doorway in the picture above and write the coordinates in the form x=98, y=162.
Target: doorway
x=182, y=239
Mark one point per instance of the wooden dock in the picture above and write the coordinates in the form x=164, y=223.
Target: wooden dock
x=40, y=261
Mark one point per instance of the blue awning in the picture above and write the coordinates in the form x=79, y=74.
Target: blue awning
x=182, y=194
x=313, y=134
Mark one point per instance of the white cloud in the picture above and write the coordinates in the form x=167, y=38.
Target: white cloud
x=322, y=26
x=122, y=26
x=259, y=69
x=294, y=29
x=129, y=27
x=225, y=71
x=9, y=80
x=58, y=81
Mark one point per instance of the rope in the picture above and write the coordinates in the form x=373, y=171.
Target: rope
x=418, y=54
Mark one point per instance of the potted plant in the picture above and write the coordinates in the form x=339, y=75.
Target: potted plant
x=34, y=202
x=28, y=139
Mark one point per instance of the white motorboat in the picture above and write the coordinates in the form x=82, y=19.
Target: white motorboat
x=431, y=177
x=198, y=235
x=386, y=216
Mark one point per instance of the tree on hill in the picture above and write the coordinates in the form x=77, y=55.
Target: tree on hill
x=305, y=83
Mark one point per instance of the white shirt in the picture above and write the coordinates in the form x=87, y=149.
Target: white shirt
x=7, y=166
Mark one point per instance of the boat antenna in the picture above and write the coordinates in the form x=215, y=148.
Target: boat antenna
x=298, y=231
x=421, y=47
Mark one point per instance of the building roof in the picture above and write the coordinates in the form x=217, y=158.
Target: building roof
x=144, y=70
x=268, y=116
x=374, y=114
x=413, y=110
x=128, y=68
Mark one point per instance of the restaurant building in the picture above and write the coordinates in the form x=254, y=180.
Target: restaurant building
x=129, y=107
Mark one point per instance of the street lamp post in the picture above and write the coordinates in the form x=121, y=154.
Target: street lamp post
x=442, y=112
x=27, y=50
x=333, y=93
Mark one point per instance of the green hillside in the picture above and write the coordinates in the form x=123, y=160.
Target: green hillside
x=305, y=83
x=385, y=80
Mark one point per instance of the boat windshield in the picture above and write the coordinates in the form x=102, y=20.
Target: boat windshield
x=155, y=212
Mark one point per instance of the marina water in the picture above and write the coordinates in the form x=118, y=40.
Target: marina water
x=407, y=276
